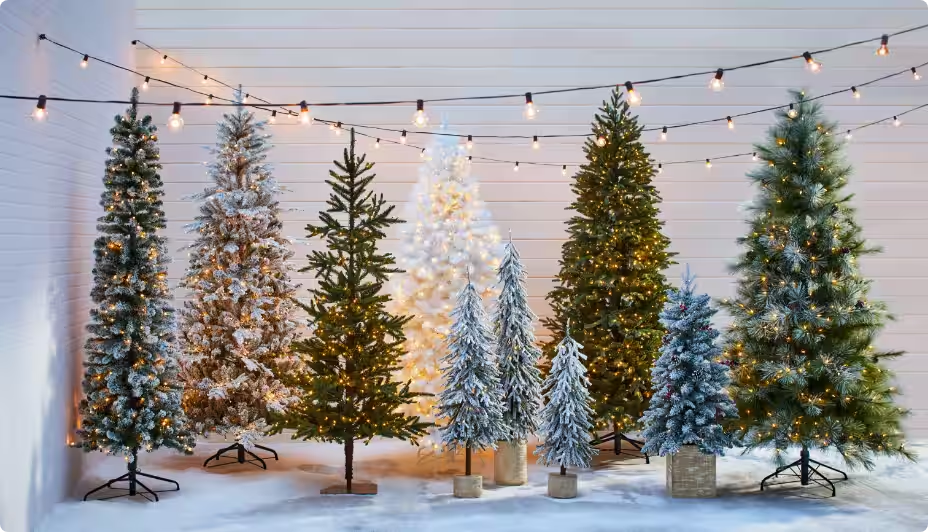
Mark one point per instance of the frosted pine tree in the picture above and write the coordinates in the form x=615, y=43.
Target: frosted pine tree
x=516, y=352
x=689, y=399
x=132, y=396
x=239, y=321
x=470, y=401
x=567, y=418
x=449, y=230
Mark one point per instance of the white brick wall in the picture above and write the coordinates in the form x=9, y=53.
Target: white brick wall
x=50, y=175
x=332, y=50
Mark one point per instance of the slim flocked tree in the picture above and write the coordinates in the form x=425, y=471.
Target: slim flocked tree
x=347, y=388
x=469, y=405
x=238, y=322
x=567, y=418
x=689, y=381
x=611, y=285
x=806, y=373
x=132, y=396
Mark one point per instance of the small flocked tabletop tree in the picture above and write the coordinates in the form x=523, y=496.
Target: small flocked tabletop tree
x=132, y=394
x=805, y=372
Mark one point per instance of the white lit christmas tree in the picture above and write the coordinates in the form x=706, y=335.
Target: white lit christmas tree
x=239, y=321
x=567, y=418
x=516, y=352
x=469, y=406
x=449, y=231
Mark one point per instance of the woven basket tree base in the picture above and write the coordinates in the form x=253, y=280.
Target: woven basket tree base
x=691, y=474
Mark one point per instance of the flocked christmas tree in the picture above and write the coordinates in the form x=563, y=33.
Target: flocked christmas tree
x=689, y=381
x=449, y=230
x=806, y=373
x=516, y=353
x=611, y=285
x=567, y=417
x=347, y=387
x=132, y=396
x=469, y=407
x=238, y=322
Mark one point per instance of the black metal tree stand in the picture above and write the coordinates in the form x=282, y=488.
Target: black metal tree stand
x=617, y=438
x=240, y=456
x=807, y=473
x=135, y=485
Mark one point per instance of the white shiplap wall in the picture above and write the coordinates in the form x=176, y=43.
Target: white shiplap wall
x=328, y=50
x=50, y=179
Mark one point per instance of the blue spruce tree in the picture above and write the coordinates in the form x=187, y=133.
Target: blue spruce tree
x=689, y=399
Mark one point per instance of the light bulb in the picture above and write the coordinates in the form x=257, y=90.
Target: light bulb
x=209, y=99
x=245, y=99
x=883, y=50
x=516, y=167
x=273, y=118
x=403, y=137
x=535, y=144
x=814, y=66
x=422, y=154
x=634, y=99
x=664, y=133
x=708, y=163
x=848, y=135
x=754, y=156
x=420, y=119
x=176, y=122
x=792, y=113
x=338, y=129
x=564, y=170
x=530, y=111
x=305, y=117
x=601, y=141
x=731, y=123
x=716, y=84
x=377, y=144
x=855, y=93
x=145, y=83
x=896, y=121
x=40, y=112
x=205, y=79
x=84, y=61
x=660, y=168
x=470, y=142
x=915, y=75
x=164, y=58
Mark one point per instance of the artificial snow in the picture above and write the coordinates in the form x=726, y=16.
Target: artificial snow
x=618, y=494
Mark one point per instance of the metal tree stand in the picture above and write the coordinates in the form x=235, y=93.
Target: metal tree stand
x=240, y=458
x=617, y=438
x=135, y=485
x=807, y=473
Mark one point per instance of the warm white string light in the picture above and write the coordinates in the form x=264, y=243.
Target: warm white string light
x=164, y=58
x=306, y=117
x=855, y=93
x=535, y=144
x=792, y=113
x=915, y=75
x=814, y=66
x=40, y=112
x=601, y=141
x=754, y=156
x=717, y=84
x=664, y=133
x=422, y=154
x=470, y=142
x=883, y=50
x=896, y=121
x=145, y=83
x=205, y=80
x=564, y=170
x=516, y=167
x=634, y=99
x=209, y=99
x=848, y=135
x=660, y=168
x=273, y=118
x=530, y=111
x=708, y=163
x=337, y=128
x=419, y=118
x=403, y=137
x=377, y=144
x=176, y=122
x=731, y=123
x=85, y=61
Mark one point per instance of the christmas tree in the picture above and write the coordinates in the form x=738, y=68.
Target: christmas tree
x=132, y=396
x=690, y=399
x=567, y=417
x=449, y=230
x=347, y=390
x=806, y=373
x=470, y=401
x=238, y=322
x=517, y=355
x=611, y=284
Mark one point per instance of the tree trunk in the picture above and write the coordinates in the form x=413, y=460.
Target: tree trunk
x=349, y=459
x=563, y=470
x=467, y=460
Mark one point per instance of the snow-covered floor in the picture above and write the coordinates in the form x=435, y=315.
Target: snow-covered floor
x=618, y=494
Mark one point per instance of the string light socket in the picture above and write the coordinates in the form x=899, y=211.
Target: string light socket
x=470, y=142
x=634, y=99
x=305, y=116
x=535, y=144
x=530, y=111
x=855, y=93
x=717, y=84
x=403, y=137
x=814, y=66
x=145, y=83
x=792, y=112
x=419, y=118
x=883, y=50
x=85, y=61
x=176, y=122
x=664, y=133
x=40, y=112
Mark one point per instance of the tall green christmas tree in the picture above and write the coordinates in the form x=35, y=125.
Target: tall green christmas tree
x=611, y=285
x=806, y=374
x=347, y=391
x=132, y=395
